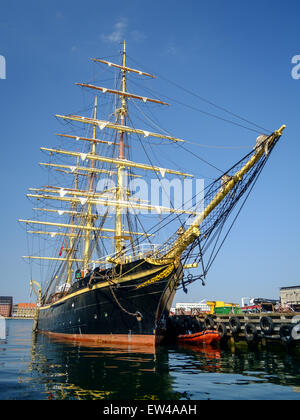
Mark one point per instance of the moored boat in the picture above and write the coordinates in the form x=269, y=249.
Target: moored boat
x=203, y=337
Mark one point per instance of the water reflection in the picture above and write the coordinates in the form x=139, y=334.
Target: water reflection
x=202, y=358
x=264, y=374
x=33, y=366
x=74, y=371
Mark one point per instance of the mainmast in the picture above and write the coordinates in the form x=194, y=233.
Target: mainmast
x=120, y=186
x=89, y=217
x=88, y=198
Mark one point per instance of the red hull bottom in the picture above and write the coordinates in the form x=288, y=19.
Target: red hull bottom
x=133, y=341
x=204, y=337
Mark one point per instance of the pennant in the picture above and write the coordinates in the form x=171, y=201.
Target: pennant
x=53, y=234
x=72, y=168
x=146, y=133
x=104, y=90
x=60, y=212
x=62, y=247
x=145, y=99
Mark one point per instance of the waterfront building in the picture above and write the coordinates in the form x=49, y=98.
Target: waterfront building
x=25, y=310
x=6, y=303
x=14, y=310
x=191, y=307
x=290, y=295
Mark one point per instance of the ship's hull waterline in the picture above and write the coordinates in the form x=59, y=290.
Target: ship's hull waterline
x=130, y=309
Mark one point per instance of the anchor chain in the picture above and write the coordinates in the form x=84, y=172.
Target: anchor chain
x=137, y=314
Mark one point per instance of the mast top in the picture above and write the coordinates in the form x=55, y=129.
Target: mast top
x=123, y=67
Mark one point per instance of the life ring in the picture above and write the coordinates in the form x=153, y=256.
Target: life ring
x=234, y=324
x=250, y=332
x=222, y=329
x=209, y=322
x=296, y=332
x=266, y=325
x=285, y=332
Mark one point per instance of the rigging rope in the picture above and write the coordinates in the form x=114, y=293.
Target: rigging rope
x=210, y=103
x=215, y=224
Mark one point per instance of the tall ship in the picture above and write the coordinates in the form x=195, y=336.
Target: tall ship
x=106, y=274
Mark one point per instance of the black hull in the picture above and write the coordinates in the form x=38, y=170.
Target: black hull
x=101, y=310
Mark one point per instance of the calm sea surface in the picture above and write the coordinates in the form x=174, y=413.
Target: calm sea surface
x=34, y=367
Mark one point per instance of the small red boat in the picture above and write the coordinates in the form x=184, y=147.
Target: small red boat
x=203, y=337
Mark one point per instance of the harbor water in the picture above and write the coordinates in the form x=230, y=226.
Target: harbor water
x=35, y=367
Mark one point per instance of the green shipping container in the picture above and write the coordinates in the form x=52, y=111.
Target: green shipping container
x=225, y=310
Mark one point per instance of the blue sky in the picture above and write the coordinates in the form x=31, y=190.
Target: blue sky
x=236, y=54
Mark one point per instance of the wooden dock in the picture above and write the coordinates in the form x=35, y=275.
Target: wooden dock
x=252, y=328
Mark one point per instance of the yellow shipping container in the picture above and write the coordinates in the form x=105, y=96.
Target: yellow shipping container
x=219, y=304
